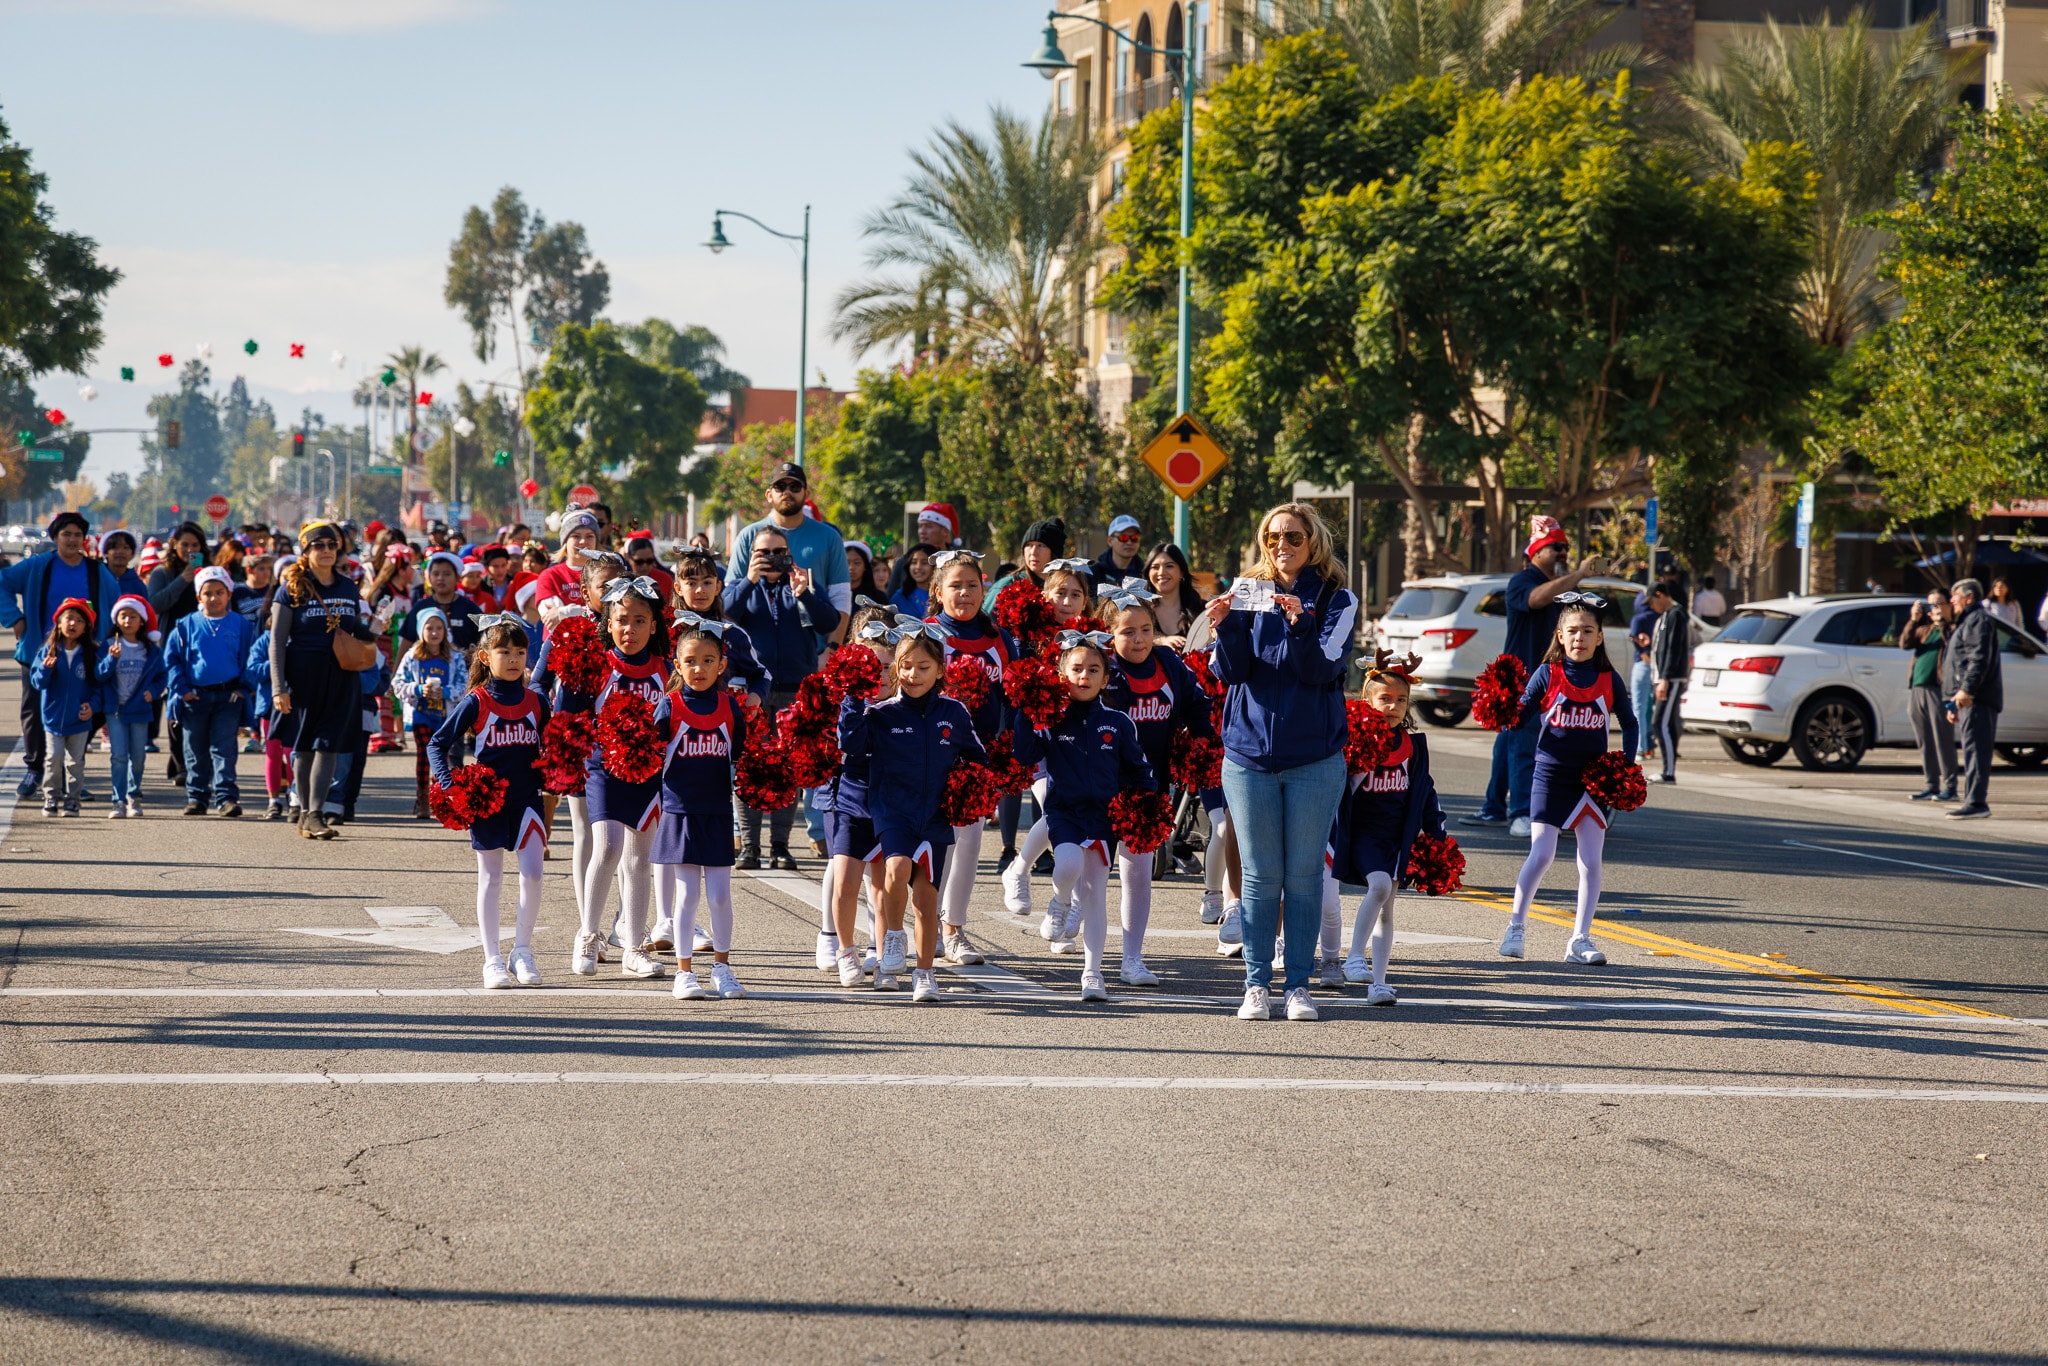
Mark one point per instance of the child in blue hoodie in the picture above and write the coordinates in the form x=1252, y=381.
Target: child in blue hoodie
x=133, y=676
x=910, y=742
x=1091, y=754
x=429, y=680
x=66, y=678
x=205, y=657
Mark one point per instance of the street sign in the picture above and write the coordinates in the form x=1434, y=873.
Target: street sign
x=1185, y=456
x=55, y=457
x=217, y=508
x=1804, y=532
x=1650, y=520
x=583, y=495
x=383, y=469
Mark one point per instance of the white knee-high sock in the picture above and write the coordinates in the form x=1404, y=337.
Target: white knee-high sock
x=490, y=880
x=1333, y=915
x=636, y=887
x=718, y=894
x=532, y=868
x=1134, y=877
x=607, y=849
x=1214, y=865
x=1093, y=890
x=1542, y=849
x=1375, y=918
x=958, y=884
x=665, y=892
x=579, y=847
x=828, y=884
x=1068, y=862
x=1592, y=838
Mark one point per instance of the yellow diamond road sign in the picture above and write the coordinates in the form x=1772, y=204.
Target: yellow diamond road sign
x=1185, y=456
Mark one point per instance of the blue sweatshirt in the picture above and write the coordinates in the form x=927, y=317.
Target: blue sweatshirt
x=780, y=635
x=1285, y=707
x=131, y=680
x=207, y=652
x=1575, y=701
x=65, y=686
x=910, y=743
x=256, y=674
x=1091, y=754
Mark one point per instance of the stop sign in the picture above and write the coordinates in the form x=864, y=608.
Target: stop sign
x=583, y=495
x=217, y=507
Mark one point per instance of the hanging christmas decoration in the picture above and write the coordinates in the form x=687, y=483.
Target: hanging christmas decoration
x=249, y=346
x=87, y=392
x=167, y=360
x=298, y=350
x=426, y=400
x=387, y=377
x=56, y=417
x=528, y=488
x=204, y=350
x=128, y=372
x=337, y=360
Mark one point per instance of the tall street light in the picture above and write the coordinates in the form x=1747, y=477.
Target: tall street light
x=1050, y=60
x=717, y=243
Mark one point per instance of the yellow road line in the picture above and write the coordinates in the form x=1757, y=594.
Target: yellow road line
x=1665, y=945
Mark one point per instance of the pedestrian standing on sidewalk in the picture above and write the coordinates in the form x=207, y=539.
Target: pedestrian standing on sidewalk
x=1972, y=678
x=1925, y=628
x=1642, y=679
x=1671, y=663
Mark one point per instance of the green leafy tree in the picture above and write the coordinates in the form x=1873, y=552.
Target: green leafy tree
x=878, y=457
x=693, y=348
x=186, y=476
x=1025, y=442
x=51, y=282
x=601, y=415
x=733, y=481
x=1489, y=44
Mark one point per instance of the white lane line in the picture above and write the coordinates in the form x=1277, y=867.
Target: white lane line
x=1028, y=1083
x=10, y=778
x=1028, y=925
x=1931, y=867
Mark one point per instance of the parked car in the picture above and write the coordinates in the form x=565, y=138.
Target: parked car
x=1458, y=624
x=1824, y=677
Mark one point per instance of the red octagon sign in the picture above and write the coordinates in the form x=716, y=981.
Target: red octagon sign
x=217, y=508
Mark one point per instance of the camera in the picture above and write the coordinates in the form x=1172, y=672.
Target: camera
x=778, y=561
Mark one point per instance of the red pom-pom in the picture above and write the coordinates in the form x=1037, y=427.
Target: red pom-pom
x=1368, y=738
x=763, y=779
x=1212, y=686
x=1034, y=688
x=1497, y=696
x=853, y=671
x=565, y=745
x=1010, y=775
x=1436, y=865
x=576, y=655
x=1615, y=783
x=812, y=759
x=1197, y=761
x=1142, y=820
x=632, y=746
x=1022, y=610
x=475, y=792
x=813, y=716
x=970, y=796
x=751, y=712
x=967, y=681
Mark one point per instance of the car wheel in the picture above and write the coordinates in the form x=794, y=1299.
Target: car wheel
x=1747, y=750
x=1442, y=714
x=1832, y=732
x=2023, y=756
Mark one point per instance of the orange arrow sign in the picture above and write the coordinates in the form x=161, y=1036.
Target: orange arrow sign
x=1185, y=456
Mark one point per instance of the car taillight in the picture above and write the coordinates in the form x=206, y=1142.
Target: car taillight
x=1447, y=637
x=1756, y=664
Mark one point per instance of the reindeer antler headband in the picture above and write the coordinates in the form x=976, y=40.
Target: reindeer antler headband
x=1385, y=665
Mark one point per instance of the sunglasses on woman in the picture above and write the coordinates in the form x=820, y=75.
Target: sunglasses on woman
x=1296, y=539
x=323, y=543
x=1578, y=599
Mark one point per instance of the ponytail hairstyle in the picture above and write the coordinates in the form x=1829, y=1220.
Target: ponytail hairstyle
x=1556, y=655
x=983, y=622
x=1054, y=573
x=501, y=636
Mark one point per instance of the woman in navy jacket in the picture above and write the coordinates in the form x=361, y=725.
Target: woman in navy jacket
x=1283, y=741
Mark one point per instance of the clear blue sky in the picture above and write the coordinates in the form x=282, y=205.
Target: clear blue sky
x=293, y=170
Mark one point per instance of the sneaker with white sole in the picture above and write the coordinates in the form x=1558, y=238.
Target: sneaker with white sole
x=589, y=953
x=957, y=948
x=1581, y=951
x=662, y=938
x=1380, y=994
x=828, y=952
x=639, y=963
x=924, y=984
x=523, y=966
x=851, y=973
x=1055, y=920
x=1519, y=827
x=688, y=988
x=1017, y=887
x=1073, y=925
x=1332, y=974
x=895, y=952
x=887, y=981
x=1230, y=934
x=1258, y=1004
x=135, y=808
x=1300, y=1007
x=1212, y=908
x=1136, y=974
x=495, y=976
x=1511, y=943
x=700, y=942
x=1357, y=970
x=1093, y=988
x=870, y=959
x=725, y=982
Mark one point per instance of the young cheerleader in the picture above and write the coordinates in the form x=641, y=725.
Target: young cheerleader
x=705, y=732
x=1091, y=754
x=506, y=717
x=968, y=632
x=1574, y=689
x=849, y=831
x=599, y=569
x=66, y=678
x=429, y=680
x=132, y=674
x=1161, y=697
x=910, y=742
x=1381, y=814
x=622, y=813
x=1069, y=590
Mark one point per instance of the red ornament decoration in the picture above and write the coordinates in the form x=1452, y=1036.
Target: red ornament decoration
x=1368, y=738
x=967, y=681
x=1034, y=688
x=565, y=745
x=298, y=350
x=853, y=671
x=1497, y=696
x=632, y=746
x=166, y=360
x=1021, y=609
x=475, y=792
x=56, y=416
x=576, y=655
x=1142, y=820
x=426, y=400
x=529, y=488
x=1197, y=761
x=1010, y=775
x=1436, y=865
x=971, y=794
x=1613, y=782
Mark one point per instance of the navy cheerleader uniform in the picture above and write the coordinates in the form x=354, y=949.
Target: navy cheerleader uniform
x=1090, y=754
x=1574, y=702
x=1160, y=696
x=506, y=719
x=992, y=647
x=705, y=733
x=1383, y=811
x=611, y=798
x=911, y=743
x=843, y=802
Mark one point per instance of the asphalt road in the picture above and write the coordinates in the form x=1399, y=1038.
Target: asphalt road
x=1799, y=1117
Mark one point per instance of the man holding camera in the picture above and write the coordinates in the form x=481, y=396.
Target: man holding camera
x=1926, y=627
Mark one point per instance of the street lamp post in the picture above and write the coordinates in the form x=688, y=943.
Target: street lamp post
x=1050, y=60
x=718, y=243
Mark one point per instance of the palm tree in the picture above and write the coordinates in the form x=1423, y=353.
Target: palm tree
x=1490, y=44
x=413, y=364
x=1867, y=112
x=993, y=231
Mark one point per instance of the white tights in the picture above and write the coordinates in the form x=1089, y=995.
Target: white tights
x=490, y=883
x=615, y=850
x=958, y=882
x=579, y=847
x=1078, y=872
x=716, y=884
x=1214, y=865
x=1037, y=839
x=1134, y=877
x=1375, y=914
x=1592, y=840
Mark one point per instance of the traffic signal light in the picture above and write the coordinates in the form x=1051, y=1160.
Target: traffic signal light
x=174, y=432
x=298, y=444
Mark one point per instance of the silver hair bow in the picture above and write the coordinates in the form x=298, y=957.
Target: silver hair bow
x=607, y=559
x=1075, y=563
x=486, y=622
x=864, y=603
x=904, y=629
x=1099, y=639
x=692, y=621
x=641, y=587
x=946, y=557
x=1131, y=593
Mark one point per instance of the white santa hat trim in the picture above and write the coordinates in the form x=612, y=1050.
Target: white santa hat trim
x=140, y=606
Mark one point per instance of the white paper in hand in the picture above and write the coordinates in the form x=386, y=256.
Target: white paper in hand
x=1251, y=595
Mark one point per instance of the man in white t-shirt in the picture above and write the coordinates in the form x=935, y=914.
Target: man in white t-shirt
x=1708, y=604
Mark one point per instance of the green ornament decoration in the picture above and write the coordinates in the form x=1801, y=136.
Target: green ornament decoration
x=501, y=458
x=388, y=378
x=250, y=346
x=128, y=372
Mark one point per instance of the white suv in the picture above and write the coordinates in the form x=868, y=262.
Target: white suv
x=1825, y=678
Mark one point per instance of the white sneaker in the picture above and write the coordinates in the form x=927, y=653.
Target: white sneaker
x=1092, y=988
x=1511, y=942
x=1017, y=887
x=1258, y=1004
x=662, y=938
x=870, y=960
x=1357, y=970
x=589, y=953
x=1136, y=974
x=688, y=988
x=495, y=976
x=1332, y=975
x=1379, y=994
x=523, y=966
x=1581, y=950
x=1073, y=925
x=118, y=812
x=641, y=964
x=828, y=952
x=957, y=949
x=924, y=984
x=1519, y=827
x=851, y=974
x=725, y=983
x=1212, y=907
x=135, y=808
x=1300, y=1007
x=1230, y=934
x=887, y=981
x=700, y=942
x=895, y=952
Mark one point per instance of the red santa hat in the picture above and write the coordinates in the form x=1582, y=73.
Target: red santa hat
x=1544, y=531
x=138, y=604
x=152, y=555
x=936, y=511
x=524, y=585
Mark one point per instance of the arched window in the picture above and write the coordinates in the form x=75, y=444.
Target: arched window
x=1143, y=59
x=1173, y=32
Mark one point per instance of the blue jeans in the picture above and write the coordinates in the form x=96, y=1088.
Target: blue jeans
x=1642, y=695
x=128, y=742
x=209, y=722
x=1283, y=824
x=1514, y=771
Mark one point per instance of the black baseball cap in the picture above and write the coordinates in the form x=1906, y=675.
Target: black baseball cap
x=786, y=470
